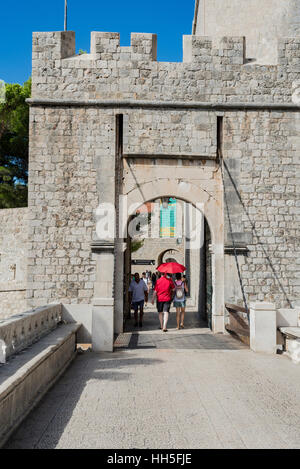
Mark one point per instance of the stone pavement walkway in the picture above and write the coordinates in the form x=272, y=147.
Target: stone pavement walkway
x=157, y=396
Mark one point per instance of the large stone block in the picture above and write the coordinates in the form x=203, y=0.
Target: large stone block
x=103, y=325
x=263, y=329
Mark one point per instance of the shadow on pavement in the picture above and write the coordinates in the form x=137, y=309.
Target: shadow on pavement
x=44, y=426
x=195, y=335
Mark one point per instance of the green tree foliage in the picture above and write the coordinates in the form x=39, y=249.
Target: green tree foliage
x=136, y=244
x=14, y=136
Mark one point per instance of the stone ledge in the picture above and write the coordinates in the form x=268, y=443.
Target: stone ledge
x=132, y=103
x=169, y=156
x=26, y=379
x=293, y=332
x=20, y=331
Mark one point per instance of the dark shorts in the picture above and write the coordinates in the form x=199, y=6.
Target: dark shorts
x=138, y=304
x=163, y=306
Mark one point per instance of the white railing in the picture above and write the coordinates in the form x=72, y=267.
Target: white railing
x=22, y=330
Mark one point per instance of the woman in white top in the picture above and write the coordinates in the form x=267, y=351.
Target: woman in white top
x=180, y=300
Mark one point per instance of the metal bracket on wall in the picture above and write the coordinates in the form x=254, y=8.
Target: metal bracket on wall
x=102, y=245
x=240, y=250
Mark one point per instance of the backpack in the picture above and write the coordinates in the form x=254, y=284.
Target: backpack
x=179, y=291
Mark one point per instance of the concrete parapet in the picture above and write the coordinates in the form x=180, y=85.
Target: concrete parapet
x=18, y=332
x=26, y=379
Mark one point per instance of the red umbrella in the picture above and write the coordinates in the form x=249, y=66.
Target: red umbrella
x=171, y=268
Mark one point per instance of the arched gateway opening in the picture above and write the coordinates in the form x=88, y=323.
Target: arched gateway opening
x=170, y=230
x=200, y=251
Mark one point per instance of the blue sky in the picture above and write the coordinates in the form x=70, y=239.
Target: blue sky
x=169, y=19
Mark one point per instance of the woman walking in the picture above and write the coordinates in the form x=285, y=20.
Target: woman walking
x=181, y=290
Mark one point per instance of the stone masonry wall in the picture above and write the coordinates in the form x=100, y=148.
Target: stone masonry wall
x=262, y=152
x=74, y=103
x=62, y=197
x=175, y=132
x=13, y=261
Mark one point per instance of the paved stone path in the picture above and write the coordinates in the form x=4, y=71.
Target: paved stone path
x=182, y=389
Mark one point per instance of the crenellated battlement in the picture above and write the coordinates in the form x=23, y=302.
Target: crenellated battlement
x=289, y=52
x=104, y=46
x=143, y=46
x=212, y=69
x=202, y=48
x=107, y=46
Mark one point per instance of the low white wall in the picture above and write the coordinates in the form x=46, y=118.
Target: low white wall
x=25, y=380
x=18, y=332
x=79, y=313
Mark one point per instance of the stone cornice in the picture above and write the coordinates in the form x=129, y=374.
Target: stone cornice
x=128, y=103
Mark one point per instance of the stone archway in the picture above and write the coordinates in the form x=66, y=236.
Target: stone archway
x=211, y=206
x=161, y=259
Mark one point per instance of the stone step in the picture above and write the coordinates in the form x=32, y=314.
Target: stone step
x=28, y=375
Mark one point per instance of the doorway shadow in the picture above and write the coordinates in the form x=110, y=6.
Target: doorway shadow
x=151, y=322
x=195, y=335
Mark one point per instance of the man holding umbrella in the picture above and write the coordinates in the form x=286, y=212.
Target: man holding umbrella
x=164, y=290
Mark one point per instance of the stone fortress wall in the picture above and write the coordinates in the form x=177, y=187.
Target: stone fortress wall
x=167, y=108
x=261, y=22
x=13, y=261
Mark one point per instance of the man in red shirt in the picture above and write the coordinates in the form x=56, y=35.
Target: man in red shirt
x=163, y=291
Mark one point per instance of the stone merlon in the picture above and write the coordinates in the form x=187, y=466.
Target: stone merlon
x=213, y=70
